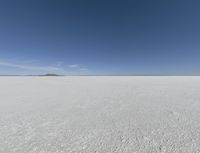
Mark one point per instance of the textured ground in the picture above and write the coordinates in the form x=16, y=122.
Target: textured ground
x=99, y=114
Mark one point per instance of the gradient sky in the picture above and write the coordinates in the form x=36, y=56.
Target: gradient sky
x=100, y=36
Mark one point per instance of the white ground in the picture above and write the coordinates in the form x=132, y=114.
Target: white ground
x=99, y=114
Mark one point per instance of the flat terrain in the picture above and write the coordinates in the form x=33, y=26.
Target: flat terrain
x=100, y=114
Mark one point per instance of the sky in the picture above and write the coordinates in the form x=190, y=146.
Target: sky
x=100, y=37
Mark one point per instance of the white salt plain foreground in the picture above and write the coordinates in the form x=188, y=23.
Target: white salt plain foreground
x=100, y=114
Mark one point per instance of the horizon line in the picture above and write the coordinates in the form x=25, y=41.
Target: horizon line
x=57, y=75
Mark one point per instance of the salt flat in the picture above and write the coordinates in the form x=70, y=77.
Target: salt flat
x=114, y=114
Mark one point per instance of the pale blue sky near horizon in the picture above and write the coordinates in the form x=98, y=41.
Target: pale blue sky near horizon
x=100, y=37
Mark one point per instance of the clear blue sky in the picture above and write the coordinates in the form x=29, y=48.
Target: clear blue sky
x=100, y=36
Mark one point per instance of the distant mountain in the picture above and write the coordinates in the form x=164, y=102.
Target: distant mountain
x=51, y=74
x=48, y=74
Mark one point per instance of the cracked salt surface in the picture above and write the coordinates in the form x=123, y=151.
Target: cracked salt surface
x=99, y=114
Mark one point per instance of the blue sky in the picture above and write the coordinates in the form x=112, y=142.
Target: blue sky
x=100, y=37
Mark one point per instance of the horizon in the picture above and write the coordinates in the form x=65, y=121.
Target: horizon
x=100, y=37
